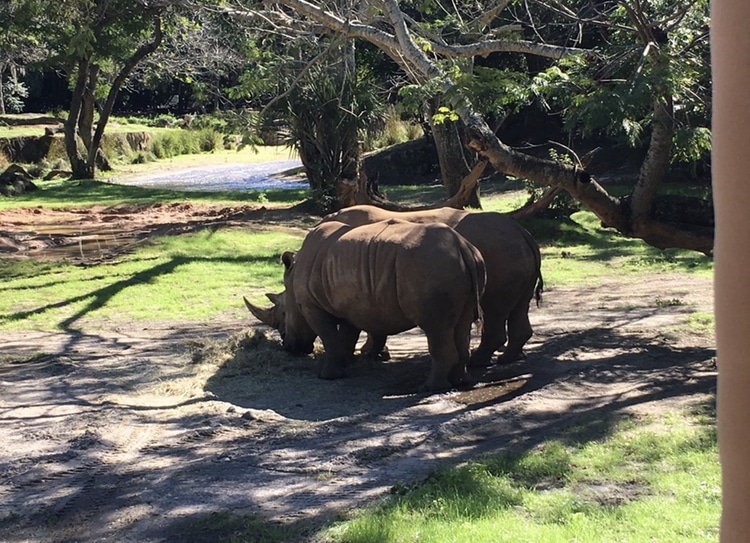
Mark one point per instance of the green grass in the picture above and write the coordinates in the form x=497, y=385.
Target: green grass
x=204, y=275
x=645, y=480
x=579, y=251
x=189, y=278
x=86, y=193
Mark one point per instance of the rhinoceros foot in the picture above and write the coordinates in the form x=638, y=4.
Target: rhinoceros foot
x=458, y=378
x=433, y=385
x=509, y=358
x=375, y=348
x=480, y=359
x=381, y=356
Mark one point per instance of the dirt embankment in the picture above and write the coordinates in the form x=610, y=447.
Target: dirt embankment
x=132, y=434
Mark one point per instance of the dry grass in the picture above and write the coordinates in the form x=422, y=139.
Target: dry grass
x=252, y=351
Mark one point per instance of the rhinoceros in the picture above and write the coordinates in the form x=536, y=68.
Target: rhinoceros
x=385, y=277
x=513, y=264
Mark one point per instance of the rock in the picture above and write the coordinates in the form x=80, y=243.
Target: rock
x=412, y=162
x=52, y=130
x=15, y=180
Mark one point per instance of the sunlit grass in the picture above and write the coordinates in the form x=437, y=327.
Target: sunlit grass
x=198, y=276
x=188, y=278
x=87, y=193
x=579, y=251
x=644, y=480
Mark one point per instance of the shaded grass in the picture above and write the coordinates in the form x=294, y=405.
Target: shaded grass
x=646, y=480
x=236, y=528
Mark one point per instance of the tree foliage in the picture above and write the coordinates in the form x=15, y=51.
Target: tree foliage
x=623, y=72
x=96, y=43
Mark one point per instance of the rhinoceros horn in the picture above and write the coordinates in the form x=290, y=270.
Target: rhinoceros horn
x=263, y=315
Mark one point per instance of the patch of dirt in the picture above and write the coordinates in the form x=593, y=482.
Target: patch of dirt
x=98, y=234
x=131, y=435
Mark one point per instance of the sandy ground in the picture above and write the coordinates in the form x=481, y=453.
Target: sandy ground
x=131, y=434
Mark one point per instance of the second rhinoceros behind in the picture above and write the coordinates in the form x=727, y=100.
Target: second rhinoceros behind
x=513, y=263
x=384, y=278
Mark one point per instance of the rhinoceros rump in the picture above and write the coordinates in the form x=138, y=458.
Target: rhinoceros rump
x=385, y=278
x=513, y=265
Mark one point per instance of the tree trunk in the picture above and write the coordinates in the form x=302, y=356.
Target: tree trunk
x=351, y=150
x=2, y=93
x=612, y=211
x=655, y=164
x=365, y=191
x=79, y=166
x=454, y=164
x=80, y=122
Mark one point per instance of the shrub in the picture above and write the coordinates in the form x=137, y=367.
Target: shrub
x=393, y=130
x=210, y=140
x=143, y=157
x=183, y=142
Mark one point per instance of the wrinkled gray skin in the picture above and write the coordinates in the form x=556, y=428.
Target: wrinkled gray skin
x=513, y=264
x=381, y=277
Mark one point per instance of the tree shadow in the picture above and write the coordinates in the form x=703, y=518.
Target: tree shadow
x=328, y=446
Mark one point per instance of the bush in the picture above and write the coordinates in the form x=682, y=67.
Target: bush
x=210, y=140
x=142, y=157
x=185, y=142
x=392, y=131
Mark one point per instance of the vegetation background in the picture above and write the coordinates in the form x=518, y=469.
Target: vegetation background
x=600, y=111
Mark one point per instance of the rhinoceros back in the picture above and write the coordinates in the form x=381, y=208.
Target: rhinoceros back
x=389, y=276
x=365, y=214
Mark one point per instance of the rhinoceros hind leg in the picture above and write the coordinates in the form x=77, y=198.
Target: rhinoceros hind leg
x=449, y=350
x=519, y=332
x=444, y=356
x=375, y=348
x=493, y=338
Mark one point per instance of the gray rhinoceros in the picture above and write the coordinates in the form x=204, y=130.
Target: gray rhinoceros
x=513, y=264
x=385, y=277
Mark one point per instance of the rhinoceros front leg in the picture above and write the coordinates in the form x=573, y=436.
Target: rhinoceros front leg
x=339, y=339
x=374, y=347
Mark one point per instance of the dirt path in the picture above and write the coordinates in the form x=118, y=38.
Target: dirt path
x=132, y=435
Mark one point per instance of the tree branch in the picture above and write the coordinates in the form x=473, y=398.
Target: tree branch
x=142, y=52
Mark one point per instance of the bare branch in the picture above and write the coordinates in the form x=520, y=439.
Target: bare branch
x=506, y=46
x=488, y=16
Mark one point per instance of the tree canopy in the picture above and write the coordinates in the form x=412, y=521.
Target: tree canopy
x=623, y=73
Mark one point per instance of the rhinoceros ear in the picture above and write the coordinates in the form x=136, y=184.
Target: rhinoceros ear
x=276, y=299
x=287, y=259
x=263, y=315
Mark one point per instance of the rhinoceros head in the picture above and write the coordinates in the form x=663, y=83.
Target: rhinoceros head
x=285, y=315
x=272, y=316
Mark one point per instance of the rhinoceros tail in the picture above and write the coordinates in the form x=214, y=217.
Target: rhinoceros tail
x=475, y=264
x=538, y=260
x=539, y=289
